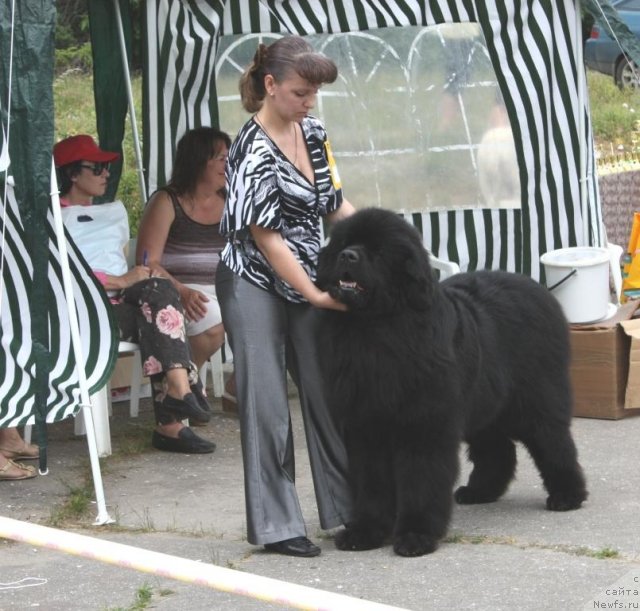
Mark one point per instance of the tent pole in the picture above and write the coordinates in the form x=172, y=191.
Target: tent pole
x=132, y=111
x=103, y=516
x=582, y=88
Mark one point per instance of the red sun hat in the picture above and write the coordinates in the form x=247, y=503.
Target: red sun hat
x=80, y=148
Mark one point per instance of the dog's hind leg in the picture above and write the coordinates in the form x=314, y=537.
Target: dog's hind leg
x=494, y=464
x=554, y=452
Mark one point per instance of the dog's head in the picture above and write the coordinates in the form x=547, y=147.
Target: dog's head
x=375, y=262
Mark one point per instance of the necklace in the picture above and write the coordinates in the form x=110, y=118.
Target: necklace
x=295, y=144
x=295, y=138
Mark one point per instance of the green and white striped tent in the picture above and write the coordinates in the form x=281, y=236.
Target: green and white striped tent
x=57, y=335
x=533, y=46
x=39, y=377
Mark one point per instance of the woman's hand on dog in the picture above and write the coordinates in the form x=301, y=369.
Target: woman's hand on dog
x=322, y=299
x=284, y=263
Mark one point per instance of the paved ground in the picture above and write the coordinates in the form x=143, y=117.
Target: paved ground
x=509, y=555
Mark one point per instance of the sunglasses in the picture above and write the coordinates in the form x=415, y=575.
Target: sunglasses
x=97, y=168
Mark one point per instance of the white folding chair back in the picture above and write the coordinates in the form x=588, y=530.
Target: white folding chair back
x=446, y=268
x=131, y=252
x=101, y=407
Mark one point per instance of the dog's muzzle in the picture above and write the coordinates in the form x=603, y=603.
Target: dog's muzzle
x=347, y=259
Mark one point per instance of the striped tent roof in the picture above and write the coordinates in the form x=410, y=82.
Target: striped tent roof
x=532, y=46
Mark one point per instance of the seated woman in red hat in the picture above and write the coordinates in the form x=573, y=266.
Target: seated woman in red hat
x=147, y=307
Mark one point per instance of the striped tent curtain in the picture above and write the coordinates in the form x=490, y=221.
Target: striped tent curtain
x=532, y=47
x=38, y=370
x=17, y=360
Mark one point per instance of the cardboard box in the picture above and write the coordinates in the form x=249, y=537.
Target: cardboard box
x=605, y=379
x=121, y=379
x=632, y=330
x=121, y=375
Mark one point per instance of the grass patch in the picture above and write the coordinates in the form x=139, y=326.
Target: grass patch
x=146, y=521
x=75, y=507
x=606, y=553
x=615, y=113
x=143, y=599
x=133, y=439
x=459, y=538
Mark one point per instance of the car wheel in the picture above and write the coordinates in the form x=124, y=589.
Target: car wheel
x=626, y=74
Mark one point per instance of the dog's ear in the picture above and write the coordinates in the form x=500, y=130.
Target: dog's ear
x=420, y=280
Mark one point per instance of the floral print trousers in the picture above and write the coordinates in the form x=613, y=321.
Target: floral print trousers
x=150, y=314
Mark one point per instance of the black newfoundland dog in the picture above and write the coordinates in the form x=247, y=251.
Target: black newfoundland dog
x=415, y=366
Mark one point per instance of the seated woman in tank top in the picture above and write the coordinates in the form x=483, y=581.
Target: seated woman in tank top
x=179, y=236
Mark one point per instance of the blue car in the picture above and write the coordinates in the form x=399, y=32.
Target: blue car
x=603, y=54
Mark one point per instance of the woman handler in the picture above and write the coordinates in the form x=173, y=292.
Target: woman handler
x=281, y=182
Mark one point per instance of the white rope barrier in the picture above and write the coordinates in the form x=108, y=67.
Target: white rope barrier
x=182, y=569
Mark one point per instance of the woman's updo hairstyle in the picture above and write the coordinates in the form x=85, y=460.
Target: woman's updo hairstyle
x=279, y=59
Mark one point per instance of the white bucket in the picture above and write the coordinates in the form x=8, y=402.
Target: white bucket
x=579, y=279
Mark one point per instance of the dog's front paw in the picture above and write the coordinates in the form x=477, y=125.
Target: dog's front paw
x=358, y=538
x=468, y=496
x=414, y=544
x=565, y=501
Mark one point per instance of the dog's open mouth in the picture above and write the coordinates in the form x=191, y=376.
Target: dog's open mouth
x=350, y=286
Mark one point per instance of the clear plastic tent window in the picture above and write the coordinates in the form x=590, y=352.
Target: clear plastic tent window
x=416, y=118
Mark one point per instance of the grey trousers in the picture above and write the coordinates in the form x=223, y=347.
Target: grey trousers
x=267, y=336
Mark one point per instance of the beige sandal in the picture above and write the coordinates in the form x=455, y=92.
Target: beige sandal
x=27, y=471
x=29, y=451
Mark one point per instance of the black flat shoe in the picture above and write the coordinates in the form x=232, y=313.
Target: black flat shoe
x=298, y=546
x=187, y=442
x=198, y=390
x=199, y=394
x=187, y=407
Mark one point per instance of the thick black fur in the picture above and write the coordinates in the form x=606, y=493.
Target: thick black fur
x=416, y=366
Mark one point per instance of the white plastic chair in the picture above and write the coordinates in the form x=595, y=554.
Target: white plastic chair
x=101, y=407
x=101, y=402
x=615, y=256
x=215, y=365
